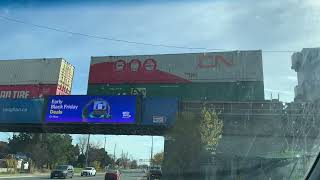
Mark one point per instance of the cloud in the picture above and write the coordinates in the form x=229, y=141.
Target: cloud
x=279, y=91
x=4, y=11
x=218, y=24
x=292, y=78
x=284, y=96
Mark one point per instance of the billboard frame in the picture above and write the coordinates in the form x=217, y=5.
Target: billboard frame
x=138, y=107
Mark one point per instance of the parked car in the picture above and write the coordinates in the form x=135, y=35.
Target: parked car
x=112, y=175
x=62, y=171
x=154, y=172
x=88, y=171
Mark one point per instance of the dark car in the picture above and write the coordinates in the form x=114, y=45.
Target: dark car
x=112, y=175
x=62, y=171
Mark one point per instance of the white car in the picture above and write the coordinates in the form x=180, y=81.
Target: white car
x=88, y=171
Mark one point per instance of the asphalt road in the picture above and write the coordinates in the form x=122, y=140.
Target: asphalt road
x=128, y=175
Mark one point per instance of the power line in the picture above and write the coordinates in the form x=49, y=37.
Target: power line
x=101, y=37
x=124, y=40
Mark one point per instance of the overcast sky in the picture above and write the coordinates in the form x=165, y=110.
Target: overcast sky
x=230, y=25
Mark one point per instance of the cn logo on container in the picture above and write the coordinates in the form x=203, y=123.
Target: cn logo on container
x=135, y=65
x=205, y=62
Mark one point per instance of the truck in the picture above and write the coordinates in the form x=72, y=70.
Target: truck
x=154, y=172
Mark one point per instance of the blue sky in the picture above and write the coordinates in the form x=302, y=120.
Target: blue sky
x=232, y=25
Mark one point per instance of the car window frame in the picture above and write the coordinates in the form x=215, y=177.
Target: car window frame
x=314, y=171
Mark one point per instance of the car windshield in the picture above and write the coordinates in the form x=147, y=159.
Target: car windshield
x=173, y=90
x=61, y=167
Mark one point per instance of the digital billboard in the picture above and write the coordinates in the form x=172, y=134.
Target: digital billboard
x=91, y=109
x=21, y=111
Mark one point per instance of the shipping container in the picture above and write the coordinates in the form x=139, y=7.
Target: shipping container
x=206, y=67
x=28, y=91
x=218, y=91
x=30, y=78
x=21, y=111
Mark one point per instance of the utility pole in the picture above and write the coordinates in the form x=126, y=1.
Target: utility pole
x=122, y=154
x=127, y=159
x=122, y=157
x=88, y=147
x=151, y=151
x=114, y=152
x=104, y=154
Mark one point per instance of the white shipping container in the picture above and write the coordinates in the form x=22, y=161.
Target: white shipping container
x=30, y=71
x=178, y=68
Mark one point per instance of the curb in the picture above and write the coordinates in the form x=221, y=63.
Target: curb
x=20, y=176
x=12, y=177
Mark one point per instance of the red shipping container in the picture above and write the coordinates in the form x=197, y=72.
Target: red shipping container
x=28, y=91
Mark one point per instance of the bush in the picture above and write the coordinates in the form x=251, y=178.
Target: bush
x=11, y=164
x=96, y=164
x=77, y=170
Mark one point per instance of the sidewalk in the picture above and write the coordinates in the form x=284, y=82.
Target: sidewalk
x=21, y=175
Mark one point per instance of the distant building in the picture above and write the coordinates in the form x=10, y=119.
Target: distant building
x=307, y=65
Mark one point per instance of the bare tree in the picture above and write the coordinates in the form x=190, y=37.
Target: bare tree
x=96, y=144
x=82, y=142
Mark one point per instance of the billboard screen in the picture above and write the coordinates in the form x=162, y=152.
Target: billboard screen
x=91, y=109
x=159, y=111
x=21, y=110
x=177, y=68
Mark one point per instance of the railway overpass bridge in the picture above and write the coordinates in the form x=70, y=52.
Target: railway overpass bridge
x=250, y=129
